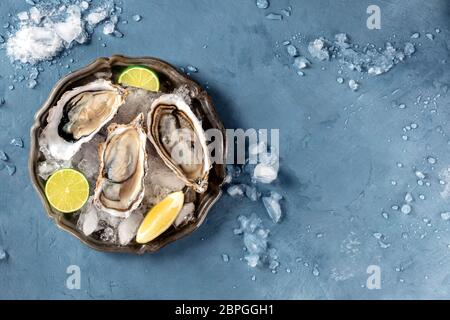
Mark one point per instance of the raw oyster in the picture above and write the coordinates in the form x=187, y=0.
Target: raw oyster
x=179, y=139
x=79, y=115
x=123, y=165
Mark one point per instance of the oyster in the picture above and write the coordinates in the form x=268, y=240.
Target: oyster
x=78, y=116
x=123, y=164
x=179, y=139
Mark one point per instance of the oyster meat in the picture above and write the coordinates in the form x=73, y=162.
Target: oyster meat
x=178, y=137
x=123, y=165
x=78, y=116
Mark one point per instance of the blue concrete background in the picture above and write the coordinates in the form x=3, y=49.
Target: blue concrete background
x=339, y=154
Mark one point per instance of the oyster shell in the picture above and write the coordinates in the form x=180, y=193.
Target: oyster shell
x=179, y=139
x=123, y=165
x=79, y=115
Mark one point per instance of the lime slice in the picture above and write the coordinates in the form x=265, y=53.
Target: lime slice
x=160, y=217
x=67, y=190
x=140, y=77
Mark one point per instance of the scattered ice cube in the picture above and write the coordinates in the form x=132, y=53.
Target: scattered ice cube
x=406, y=209
x=252, y=193
x=445, y=216
x=109, y=27
x=430, y=36
x=316, y=271
x=3, y=254
x=11, y=169
x=265, y=173
x=431, y=160
x=301, y=63
x=22, y=15
x=353, y=84
x=32, y=83
x=419, y=174
x=127, y=229
x=408, y=197
x=409, y=49
x=96, y=16
x=292, y=50
x=17, y=142
x=415, y=35
x=225, y=257
x=319, y=49
x=274, y=16
x=262, y=4
x=257, y=148
x=340, y=80
x=191, y=69
x=137, y=18
x=272, y=204
x=236, y=190
x=287, y=11
x=3, y=156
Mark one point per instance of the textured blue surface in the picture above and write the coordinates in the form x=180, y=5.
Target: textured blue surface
x=339, y=155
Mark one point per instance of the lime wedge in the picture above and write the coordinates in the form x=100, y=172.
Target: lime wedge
x=140, y=77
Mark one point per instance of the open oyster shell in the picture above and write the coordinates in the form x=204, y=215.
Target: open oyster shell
x=123, y=165
x=179, y=139
x=79, y=115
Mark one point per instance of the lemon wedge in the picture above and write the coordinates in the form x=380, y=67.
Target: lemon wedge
x=160, y=217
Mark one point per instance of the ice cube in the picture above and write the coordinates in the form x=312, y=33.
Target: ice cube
x=108, y=235
x=47, y=167
x=35, y=15
x=319, y=49
x=257, y=148
x=408, y=197
x=353, y=85
x=186, y=214
x=22, y=15
x=409, y=49
x=236, y=190
x=431, y=160
x=17, y=142
x=274, y=16
x=415, y=35
x=3, y=254
x=128, y=228
x=265, y=173
x=32, y=83
x=191, y=69
x=137, y=18
x=252, y=260
x=301, y=63
x=225, y=257
x=88, y=219
x=252, y=193
x=3, y=156
x=262, y=4
x=292, y=50
x=406, y=209
x=11, y=169
x=109, y=27
x=96, y=16
x=445, y=216
x=254, y=243
x=272, y=204
x=340, y=80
